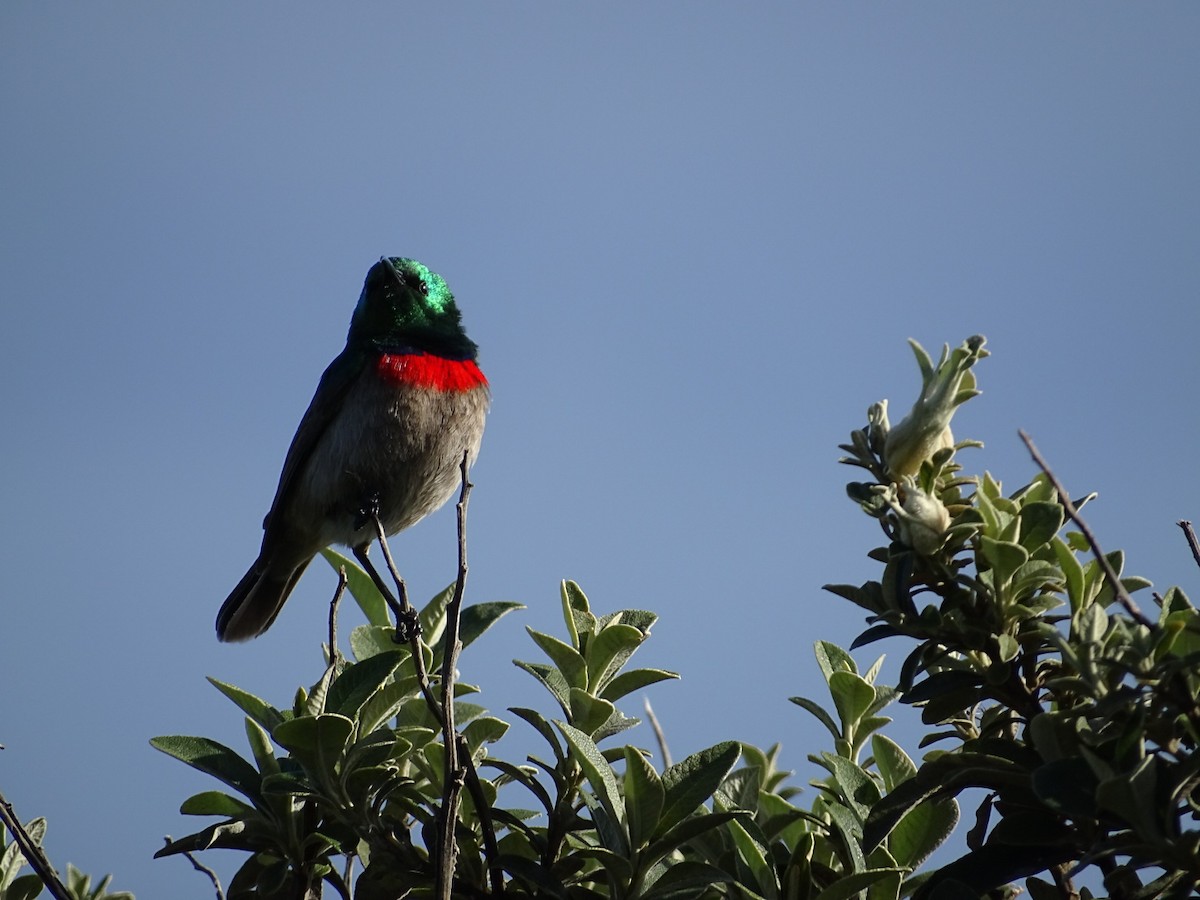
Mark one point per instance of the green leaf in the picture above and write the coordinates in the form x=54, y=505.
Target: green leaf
x=850, y=885
x=588, y=713
x=314, y=700
x=1004, y=556
x=384, y=878
x=368, y=640
x=551, y=679
x=358, y=682
x=316, y=741
x=924, y=361
x=485, y=730
x=943, y=683
x=816, y=710
x=615, y=724
x=541, y=726
x=387, y=702
x=685, y=880
x=608, y=652
x=1033, y=576
x=689, y=829
x=832, y=658
x=1066, y=785
x=259, y=710
x=857, y=787
x=11, y=861
x=1092, y=624
x=375, y=750
x=215, y=803
x=1009, y=648
x=478, y=618
x=616, y=865
x=894, y=764
x=596, y=769
x=566, y=658
x=433, y=616
x=944, y=775
x=1133, y=797
x=690, y=783
x=24, y=887
x=923, y=829
x=361, y=588
x=849, y=827
x=644, y=796
x=232, y=835
x=1040, y=521
x=852, y=696
x=869, y=596
x=742, y=788
x=213, y=759
x=754, y=856
x=1026, y=827
x=990, y=867
x=261, y=747
x=641, y=619
x=633, y=680
x=575, y=611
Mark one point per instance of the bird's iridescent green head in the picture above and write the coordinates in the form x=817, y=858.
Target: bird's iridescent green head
x=405, y=306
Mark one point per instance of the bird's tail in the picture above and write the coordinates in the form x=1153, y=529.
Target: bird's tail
x=253, y=605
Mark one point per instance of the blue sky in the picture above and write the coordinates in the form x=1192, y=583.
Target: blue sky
x=691, y=241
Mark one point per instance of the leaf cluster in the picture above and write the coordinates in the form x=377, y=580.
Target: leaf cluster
x=15, y=886
x=1078, y=718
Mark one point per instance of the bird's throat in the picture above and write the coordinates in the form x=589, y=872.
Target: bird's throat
x=429, y=371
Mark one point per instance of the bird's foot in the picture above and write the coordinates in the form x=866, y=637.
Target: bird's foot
x=408, y=625
x=368, y=512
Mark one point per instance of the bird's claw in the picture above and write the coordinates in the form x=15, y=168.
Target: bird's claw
x=368, y=512
x=408, y=626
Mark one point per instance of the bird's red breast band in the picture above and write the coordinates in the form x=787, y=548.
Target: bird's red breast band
x=429, y=371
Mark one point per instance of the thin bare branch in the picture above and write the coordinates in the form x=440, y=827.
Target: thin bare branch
x=32, y=851
x=334, y=653
x=203, y=869
x=1190, y=534
x=454, y=773
x=659, y=735
x=1111, y=576
x=401, y=609
x=491, y=849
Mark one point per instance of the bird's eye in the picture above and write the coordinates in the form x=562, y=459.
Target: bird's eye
x=422, y=287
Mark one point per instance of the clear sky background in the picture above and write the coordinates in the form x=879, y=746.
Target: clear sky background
x=691, y=241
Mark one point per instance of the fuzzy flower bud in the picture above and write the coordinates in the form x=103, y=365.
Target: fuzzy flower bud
x=922, y=518
x=926, y=429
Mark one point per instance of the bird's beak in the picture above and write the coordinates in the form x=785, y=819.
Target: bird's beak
x=395, y=275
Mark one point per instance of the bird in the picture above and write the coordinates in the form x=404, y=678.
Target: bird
x=384, y=436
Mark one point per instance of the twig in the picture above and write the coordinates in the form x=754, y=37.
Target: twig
x=659, y=735
x=407, y=623
x=401, y=609
x=1190, y=534
x=33, y=853
x=1062, y=880
x=1114, y=581
x=334, y=654
x=203, y=869
x=491, y=849
x=453, y=773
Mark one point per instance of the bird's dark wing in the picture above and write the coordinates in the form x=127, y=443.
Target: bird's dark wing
x=322, y=409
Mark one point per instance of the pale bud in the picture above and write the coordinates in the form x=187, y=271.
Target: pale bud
x=922, y=518
x=926, y=429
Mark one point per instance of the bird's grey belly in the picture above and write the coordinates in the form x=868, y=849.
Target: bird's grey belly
x=397, y=447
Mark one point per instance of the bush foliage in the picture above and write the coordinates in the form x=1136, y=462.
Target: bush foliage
x=1046, y=691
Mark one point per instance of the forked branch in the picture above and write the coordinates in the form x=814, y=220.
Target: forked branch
x=1114, y=581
